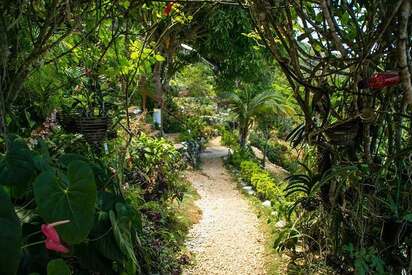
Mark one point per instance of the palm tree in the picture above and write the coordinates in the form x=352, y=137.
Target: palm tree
x=249, y=104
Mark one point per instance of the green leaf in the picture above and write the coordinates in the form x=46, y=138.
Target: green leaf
x=92, y=261
x=10, y=236
x=159, y=58
x=66, y=159
x=71, y=197
x=17, y=168
x=408, y=217
x=106, y=243
x=125, y=4
x=317, y=46
x=122, y=231
x=58, y=267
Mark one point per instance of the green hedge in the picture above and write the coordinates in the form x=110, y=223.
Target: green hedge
x=247, y=169
x=266, y=186
x=238, y=156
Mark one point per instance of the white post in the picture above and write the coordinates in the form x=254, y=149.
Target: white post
x=157, y=116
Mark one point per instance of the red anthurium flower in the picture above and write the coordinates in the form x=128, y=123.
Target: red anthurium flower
x=52, y=241
x=168, y=8
x=58, y=247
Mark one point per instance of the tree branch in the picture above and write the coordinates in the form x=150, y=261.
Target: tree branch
x=403, y=58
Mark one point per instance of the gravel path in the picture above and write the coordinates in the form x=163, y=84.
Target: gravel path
x=228, y=239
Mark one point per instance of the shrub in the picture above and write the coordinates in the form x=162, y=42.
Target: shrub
x=261, y=180
x=290, y=164
x=229, y=138
x=247, y=169
x=264, y=184
x=155, y=165
x=238, y=156
x=268, y=188
x=194, y=128
x=71, y=187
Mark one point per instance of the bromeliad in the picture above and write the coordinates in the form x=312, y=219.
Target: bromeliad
x=380, y=80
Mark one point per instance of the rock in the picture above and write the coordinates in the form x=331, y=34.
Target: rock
x=251, y=192
x=247, y=188
x=267, y=203
x=280, y=224
x=271, y=167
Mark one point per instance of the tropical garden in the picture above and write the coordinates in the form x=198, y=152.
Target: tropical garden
x=106, y=105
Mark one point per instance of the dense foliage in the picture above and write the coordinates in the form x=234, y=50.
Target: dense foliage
x=82, y=189
x=94, y=193
x=361, y=137
x=104, y=231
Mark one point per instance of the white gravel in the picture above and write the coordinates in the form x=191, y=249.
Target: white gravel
x=228, y=239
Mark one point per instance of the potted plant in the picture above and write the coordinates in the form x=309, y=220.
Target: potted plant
x=67, y=120
x=343, y=132
x=84, y=111
x=94, y=129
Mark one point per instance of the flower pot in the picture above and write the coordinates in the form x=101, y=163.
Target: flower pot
x=94, y=129
x=68, y=121
x=343, y=132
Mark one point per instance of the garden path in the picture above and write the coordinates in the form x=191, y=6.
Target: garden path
x=228, y=239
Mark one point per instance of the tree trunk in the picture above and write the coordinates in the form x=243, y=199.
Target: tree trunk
x=403, y=48
x=143, y=92
x=243, y=133
x=157, y=76
x=158, y=84
x=144, y=102
x=265, y=148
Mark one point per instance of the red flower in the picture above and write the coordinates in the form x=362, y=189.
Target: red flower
x=380, y=80
x=168, y=8
x=52, y=241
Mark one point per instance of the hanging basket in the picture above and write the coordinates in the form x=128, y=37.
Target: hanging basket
x=93, y=129
x=68, y=121
x=343, y=132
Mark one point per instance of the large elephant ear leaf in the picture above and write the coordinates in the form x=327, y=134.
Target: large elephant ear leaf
x=17, y=168
x=71, y=197
x=66, y=159
x=58, y=267
x=10, y=236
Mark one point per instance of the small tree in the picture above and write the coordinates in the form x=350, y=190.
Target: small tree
x=266, y=121
x=249, y=105
x=265, y=125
